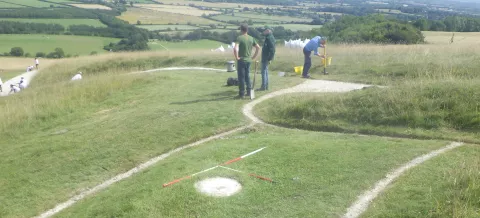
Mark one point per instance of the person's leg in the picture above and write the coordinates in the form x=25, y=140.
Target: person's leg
x=308, y=62
x=247, y=77
x=264, y=75
x=241, y=78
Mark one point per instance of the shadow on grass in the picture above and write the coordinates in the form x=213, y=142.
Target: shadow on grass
x=218, y=96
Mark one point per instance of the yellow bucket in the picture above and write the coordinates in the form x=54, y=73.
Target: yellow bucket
x=298, y=70
x=329, y=61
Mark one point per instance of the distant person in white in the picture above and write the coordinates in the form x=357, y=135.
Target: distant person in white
x=77, y=76
x=1, y=84
x=14, y=89
x=37, y=63
x=21, y=84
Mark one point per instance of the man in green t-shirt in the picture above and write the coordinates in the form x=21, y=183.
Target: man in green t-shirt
x=243, y=55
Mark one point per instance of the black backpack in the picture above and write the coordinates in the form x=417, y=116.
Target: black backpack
x=232, y=81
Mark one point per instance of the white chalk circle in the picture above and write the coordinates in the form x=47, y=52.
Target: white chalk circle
x=218, y=187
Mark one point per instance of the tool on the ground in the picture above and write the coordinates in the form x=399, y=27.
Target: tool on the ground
x=212, y=168
x=250, y=174
x=252, y=90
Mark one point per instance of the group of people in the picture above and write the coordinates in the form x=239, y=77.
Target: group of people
x=22, y=83
x=243, y=54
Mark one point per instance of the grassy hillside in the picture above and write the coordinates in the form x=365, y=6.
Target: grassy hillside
x=127, y=119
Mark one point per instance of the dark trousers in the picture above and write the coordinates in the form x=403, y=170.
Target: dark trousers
x=308, y=62
x=243, y=73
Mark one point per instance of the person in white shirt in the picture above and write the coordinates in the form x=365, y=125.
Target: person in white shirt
x=14, y=89
x=21, y=84
x=36, y=63
x=77, y=76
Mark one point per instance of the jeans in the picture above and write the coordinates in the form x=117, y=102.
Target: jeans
x=308, y=62
x=243, y=73
x=264, y=71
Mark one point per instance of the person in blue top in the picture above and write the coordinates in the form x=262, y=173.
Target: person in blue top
x=312, y=45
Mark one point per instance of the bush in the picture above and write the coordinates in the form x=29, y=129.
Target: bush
x=40, y=55
x=28, y=55
x=93, y=53
x=58, y=53
x=16, y=51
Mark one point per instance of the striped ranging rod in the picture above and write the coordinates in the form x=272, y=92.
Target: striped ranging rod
x=226, y=163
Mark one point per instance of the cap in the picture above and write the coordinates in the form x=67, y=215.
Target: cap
x=267, y=28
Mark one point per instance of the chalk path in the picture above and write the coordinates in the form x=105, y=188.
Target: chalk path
x=28, y=76
x=309, y=86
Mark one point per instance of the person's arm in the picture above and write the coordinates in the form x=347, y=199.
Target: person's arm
x=257, y=48
x=235, y=51
x=271, y=45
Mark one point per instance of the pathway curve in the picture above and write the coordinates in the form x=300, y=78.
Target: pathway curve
x=309, y=86
x=28, y=76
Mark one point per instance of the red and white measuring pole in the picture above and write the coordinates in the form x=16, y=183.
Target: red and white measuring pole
x=241, y=157
x=226, y=163
x=250, y=174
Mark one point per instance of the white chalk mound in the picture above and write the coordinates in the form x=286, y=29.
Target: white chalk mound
x=218, y=187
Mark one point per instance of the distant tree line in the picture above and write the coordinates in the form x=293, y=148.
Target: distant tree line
x=370, y=29
x=228, y=37
x=450, y=24
x=10, y=27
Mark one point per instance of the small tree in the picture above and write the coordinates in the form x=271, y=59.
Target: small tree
x=16, y=51
x=139, y=22
x=52, y=6
x=131, y=3
x=40, y=55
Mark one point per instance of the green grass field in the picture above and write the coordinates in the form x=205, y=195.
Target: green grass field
x=93, y=109
x=444, y=187
x=63, y=22
x=9, y=5
x=81, y=45
x=166, y=27
x=258, y=18
x=205, y=45
x=60, y=138
x=294, y=27
x=32, y=3
x=314, y=178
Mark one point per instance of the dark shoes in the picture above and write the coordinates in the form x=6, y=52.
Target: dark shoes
x=261, y=89
x=307, y=77
x=239, y=97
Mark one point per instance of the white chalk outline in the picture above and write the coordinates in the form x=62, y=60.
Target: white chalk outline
x=308, y=86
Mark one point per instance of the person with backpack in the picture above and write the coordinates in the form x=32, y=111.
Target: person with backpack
x=268, y=53
x=243, y=55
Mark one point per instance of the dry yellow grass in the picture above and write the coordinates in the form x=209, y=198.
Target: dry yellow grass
x=177, y=9
x=11, y=63
x=471, y=39
x=91, y=6
x=147, y=16
x=215, y=5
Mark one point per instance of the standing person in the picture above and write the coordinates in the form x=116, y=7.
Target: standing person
x=1, y=84
x=37, y=62
x=268, y=53
x=243, y=55
x=312, y=45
